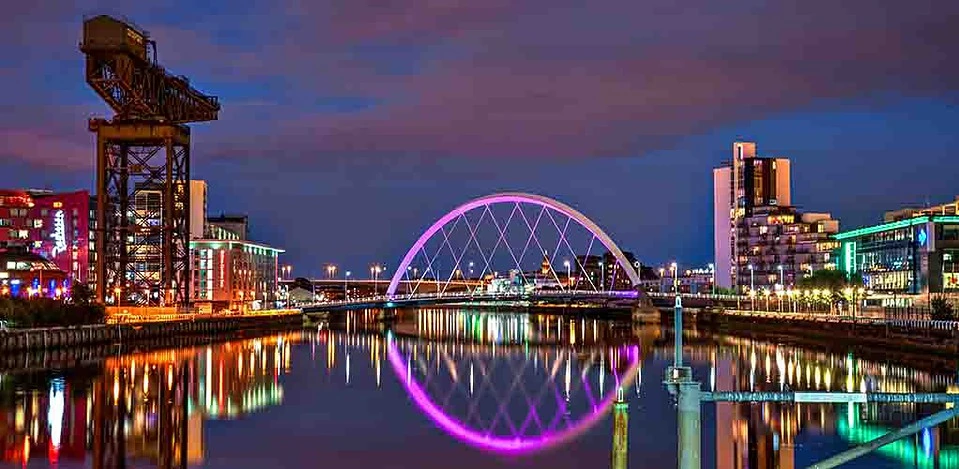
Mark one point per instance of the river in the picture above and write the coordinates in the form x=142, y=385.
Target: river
x=457, y=388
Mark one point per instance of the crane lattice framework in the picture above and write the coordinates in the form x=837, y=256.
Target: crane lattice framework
x=143, y=166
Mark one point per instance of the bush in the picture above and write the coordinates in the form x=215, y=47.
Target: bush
x=942, y=310
x=46, y=312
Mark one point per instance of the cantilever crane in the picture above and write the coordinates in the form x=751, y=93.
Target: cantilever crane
x=143, y=167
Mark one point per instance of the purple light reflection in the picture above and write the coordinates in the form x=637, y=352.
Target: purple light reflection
x=513, y=445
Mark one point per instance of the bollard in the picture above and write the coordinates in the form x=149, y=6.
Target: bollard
x=689, y=423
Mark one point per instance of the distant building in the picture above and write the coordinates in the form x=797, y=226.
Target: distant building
x=913, y=255
x=604, y=272
x=662, y=280
x=946, y=209
x=236, y=275
x=52, y=225
x=760, y=239
x=239, y=225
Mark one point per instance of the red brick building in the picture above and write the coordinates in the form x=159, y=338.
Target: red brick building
x=53, y=225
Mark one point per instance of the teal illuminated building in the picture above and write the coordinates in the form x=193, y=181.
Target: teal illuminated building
x=915, y=255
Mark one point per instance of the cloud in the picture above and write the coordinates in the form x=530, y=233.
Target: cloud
x=428, y=79
x=616, y=77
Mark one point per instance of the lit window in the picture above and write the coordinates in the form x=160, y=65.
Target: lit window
x=58, y=205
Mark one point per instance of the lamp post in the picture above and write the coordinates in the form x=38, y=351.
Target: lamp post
x=712, y=275
x=674, y=270
x=375, y=274
x=569, y=284
x=662, y=274
x=346, y=285
x=782, y=280
x=752, y=278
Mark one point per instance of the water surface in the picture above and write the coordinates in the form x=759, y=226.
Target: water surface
x=468, y=388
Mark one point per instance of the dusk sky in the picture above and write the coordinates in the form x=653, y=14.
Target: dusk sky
x=347, y=127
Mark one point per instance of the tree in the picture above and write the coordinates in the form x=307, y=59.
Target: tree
x=81, y=294
x=942, y=310
x=834, y=280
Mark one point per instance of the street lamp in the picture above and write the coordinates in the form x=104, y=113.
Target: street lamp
x=346, y=285
x=662, y=274
x=712, y=280
x=752, y=279
x=471, y=270
x=375, y=275
x=782, y=280
x=602, y=275
x=568, y=275
x=331, y=271
x=674, y=270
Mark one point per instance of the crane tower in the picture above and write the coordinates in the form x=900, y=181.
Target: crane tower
x=143, y=166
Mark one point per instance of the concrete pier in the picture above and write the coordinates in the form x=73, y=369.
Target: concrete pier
x=68, y=337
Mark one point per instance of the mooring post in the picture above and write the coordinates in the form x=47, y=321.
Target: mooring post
x=689, y=422
x=679, y=382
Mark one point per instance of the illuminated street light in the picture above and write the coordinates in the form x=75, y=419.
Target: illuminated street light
x=346, y=285
x=568, y=273
x=674, y=270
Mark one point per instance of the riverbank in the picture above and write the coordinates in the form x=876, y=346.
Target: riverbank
x=867, y=337
x=52, y=338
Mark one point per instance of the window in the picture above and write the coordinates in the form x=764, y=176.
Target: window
x=58, y=205
x=38, y=223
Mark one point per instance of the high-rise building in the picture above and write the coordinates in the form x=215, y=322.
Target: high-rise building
x=198, y=207
x=145, y=257
x=759, y=238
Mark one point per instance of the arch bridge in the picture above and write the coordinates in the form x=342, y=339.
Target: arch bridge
x=508, y=247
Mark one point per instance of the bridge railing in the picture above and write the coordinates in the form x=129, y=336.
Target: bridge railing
x=836, y=318
x=703, y=296
x=400, y=299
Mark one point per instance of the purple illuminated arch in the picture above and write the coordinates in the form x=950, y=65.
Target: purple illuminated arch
x=506, y=445
x=514, y=198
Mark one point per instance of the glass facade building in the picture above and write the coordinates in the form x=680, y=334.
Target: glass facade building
x=910, y=256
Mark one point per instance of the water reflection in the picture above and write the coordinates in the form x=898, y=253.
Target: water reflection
x=523, y=385
x=764, y=435
x=139, y=407
x=510, y=383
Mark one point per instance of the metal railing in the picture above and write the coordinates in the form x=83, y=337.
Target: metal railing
x=482, y=296
x=837, y=318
